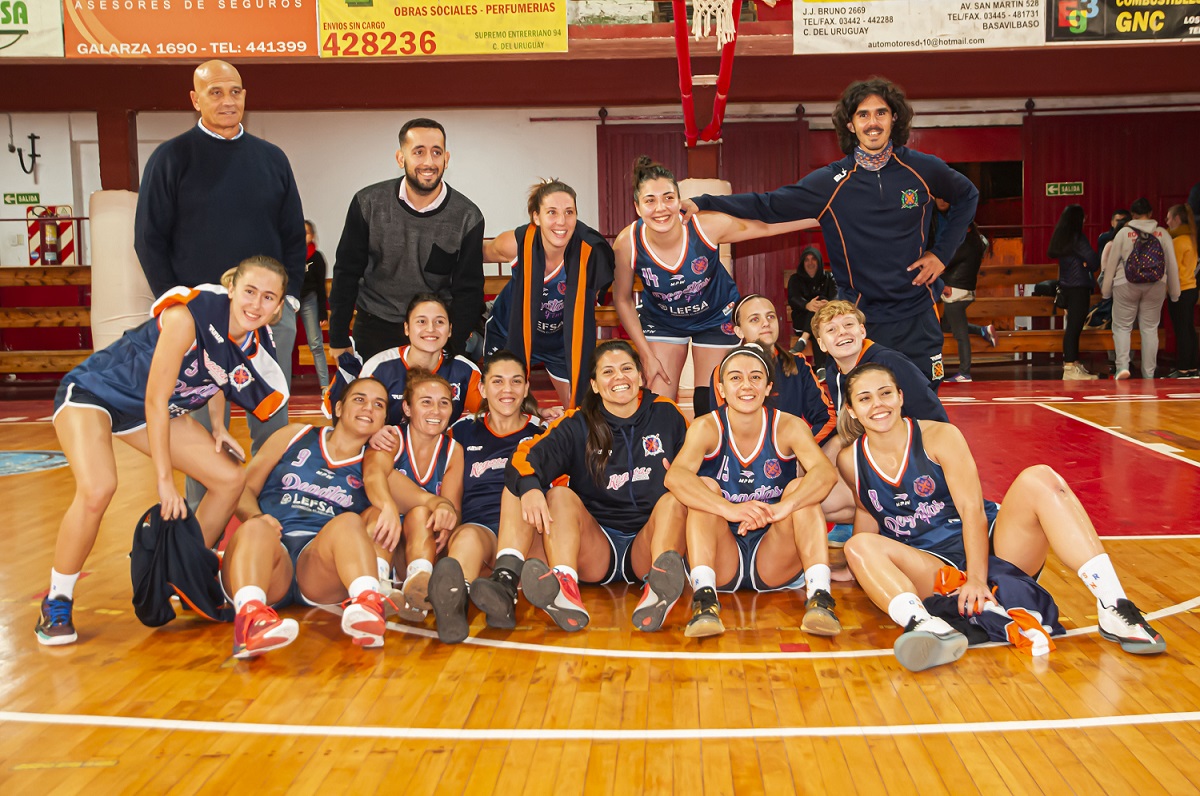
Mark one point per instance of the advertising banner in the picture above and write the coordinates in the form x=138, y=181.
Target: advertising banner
x=1094, y=21
x=31, y=29
x=396, y=28
x=193, y=29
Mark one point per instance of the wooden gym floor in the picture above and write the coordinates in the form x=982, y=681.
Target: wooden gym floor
x=763, y=709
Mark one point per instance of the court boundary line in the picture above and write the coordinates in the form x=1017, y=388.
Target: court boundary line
x=516, y=734
x=1119, y=435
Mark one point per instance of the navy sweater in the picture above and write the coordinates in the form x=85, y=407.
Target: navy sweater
x=876, y=224
x=207, y=203
x=920, y=401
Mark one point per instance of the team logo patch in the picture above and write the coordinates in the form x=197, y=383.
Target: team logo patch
x=727, y=327
x=455, y=391
x=354, y=481
x=924, y=486
x=699, y=265
x=240, y=377
x=562, y=288
x=938, y=370
x=908, y=199
x=772, y=468
x=652, y=445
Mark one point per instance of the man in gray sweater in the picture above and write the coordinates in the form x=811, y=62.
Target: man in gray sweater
x=404, y=236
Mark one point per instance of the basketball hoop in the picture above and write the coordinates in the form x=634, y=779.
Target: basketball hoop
x=726, y=14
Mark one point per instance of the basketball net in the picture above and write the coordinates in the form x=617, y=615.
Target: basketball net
x=726, y=14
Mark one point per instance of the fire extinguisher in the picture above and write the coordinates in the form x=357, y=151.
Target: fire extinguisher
x=48, y=235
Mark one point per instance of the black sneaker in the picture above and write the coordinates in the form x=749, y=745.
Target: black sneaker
x=819, y=618
x=448, y=596
x=664, y=584
x=55, y=627
x=496, y=596
x=706, y=615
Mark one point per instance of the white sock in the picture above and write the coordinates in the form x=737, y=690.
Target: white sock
x=510, y=551
x=362, y=584
x=703, y=578
x=62, y=585
x=570, y=571
x=905, y=607
x=420, y=565
x=383, y=569
x=247, y=594
x=817, y=577
x=1099, y=576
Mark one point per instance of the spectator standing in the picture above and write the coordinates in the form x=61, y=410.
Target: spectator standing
x=1181, y=221
x=1077, y=265
x=1141, y=247
x=809, y=289
x=407, y=235
x=960, y=278
x=313, y=301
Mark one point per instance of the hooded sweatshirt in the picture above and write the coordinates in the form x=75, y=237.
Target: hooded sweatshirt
x=1118, y=251
x=1185, y=255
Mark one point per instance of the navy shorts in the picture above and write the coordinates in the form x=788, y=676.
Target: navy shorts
x=747, y=578
x=919, y=338
x=620, y=565
x=70, y=394
x=713, y=331
x=293, y=546
x=958, y=558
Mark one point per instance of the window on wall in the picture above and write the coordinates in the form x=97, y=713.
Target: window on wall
x=1000, y=185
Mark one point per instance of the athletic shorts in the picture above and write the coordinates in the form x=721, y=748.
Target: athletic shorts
x=747, y=578
x=293, y=546
x=958, y=559
x=713, y=331
x=544, y=352
x=919, y=338
x=620, y=565
x=70, y=394
x=489, y=528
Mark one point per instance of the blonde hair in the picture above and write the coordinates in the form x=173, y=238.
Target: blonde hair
x=234, y=275
x=1184, y=214
x=832, y=310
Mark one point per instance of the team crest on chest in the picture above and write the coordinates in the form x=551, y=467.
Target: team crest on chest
x=455, y=391
x=354, y=481
x=924, y=486
x=699, y=265
x=908, y=199
x=562, y=288
x=727, y=327
x=240, y=377
x=772, y=468
x=652, y=445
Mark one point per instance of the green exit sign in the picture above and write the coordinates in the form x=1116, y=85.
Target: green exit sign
x=1064, y=189
x=22, y=198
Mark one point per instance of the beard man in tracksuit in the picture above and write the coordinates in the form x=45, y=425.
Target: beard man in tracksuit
x=875, y=207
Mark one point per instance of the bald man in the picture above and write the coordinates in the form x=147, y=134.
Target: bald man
x=214, y=196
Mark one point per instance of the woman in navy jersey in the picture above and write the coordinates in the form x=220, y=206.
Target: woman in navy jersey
x=615, y=521
x=507, y=418
x=921, y=508
x=430, y=458
x=303, y=539
x=560, y=268
x=428, y=329
x=687, y=295
x=202, y=346
x=754, y=518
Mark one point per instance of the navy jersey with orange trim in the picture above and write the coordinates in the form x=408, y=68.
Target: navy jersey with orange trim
x=308, y=488
x=485, y=456
x=248, y=373
x=761, y=474
x=920, y=400
x=633, y=478
x=800, y=395
x=391, y=368
x=913, y=506
x=876, y=224
x=430, y=476
x=694, y=292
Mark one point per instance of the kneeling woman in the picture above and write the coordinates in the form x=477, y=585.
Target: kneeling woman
x=201, y=346
x=921, y=507
x=302, y=539
x=508, y=418
x=616, y=521
x=752, y=523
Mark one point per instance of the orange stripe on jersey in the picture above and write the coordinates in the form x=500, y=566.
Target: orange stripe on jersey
x=903, y=462
x=184, y=598
x=269, y=405
x=527, y=297
x=576, y=365
x=332, y=462
x=520, y=457
x=412, y=457
x=775, y=439
x=831, y=423
x=758, y=446
x=172, y=299
x=473, y=398
x=700, y=231
x=678, y=261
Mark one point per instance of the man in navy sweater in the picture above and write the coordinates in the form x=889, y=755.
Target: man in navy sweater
x=875, y=207
x=214, y=196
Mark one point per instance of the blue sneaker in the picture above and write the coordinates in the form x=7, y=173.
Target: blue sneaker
x=55, y=627
x=989, y=333
x=840, y=533
x=960, y=379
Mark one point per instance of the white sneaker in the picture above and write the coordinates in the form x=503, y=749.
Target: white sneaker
x=928, y=643
x=1124, y=624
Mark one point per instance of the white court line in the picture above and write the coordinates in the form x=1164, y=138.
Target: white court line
x=1150, y=446
x=686, y=734
x=684, y=655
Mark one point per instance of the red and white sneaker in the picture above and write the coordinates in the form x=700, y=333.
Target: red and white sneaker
x=362, y=619
x=555, y=593
x=258, y=629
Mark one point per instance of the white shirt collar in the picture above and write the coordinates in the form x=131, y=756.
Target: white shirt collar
x=434, y=205
x=241, y=130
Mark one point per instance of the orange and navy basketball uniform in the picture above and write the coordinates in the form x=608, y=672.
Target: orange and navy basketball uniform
x=485, y=456
x=432, y=474
x=391, y=368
